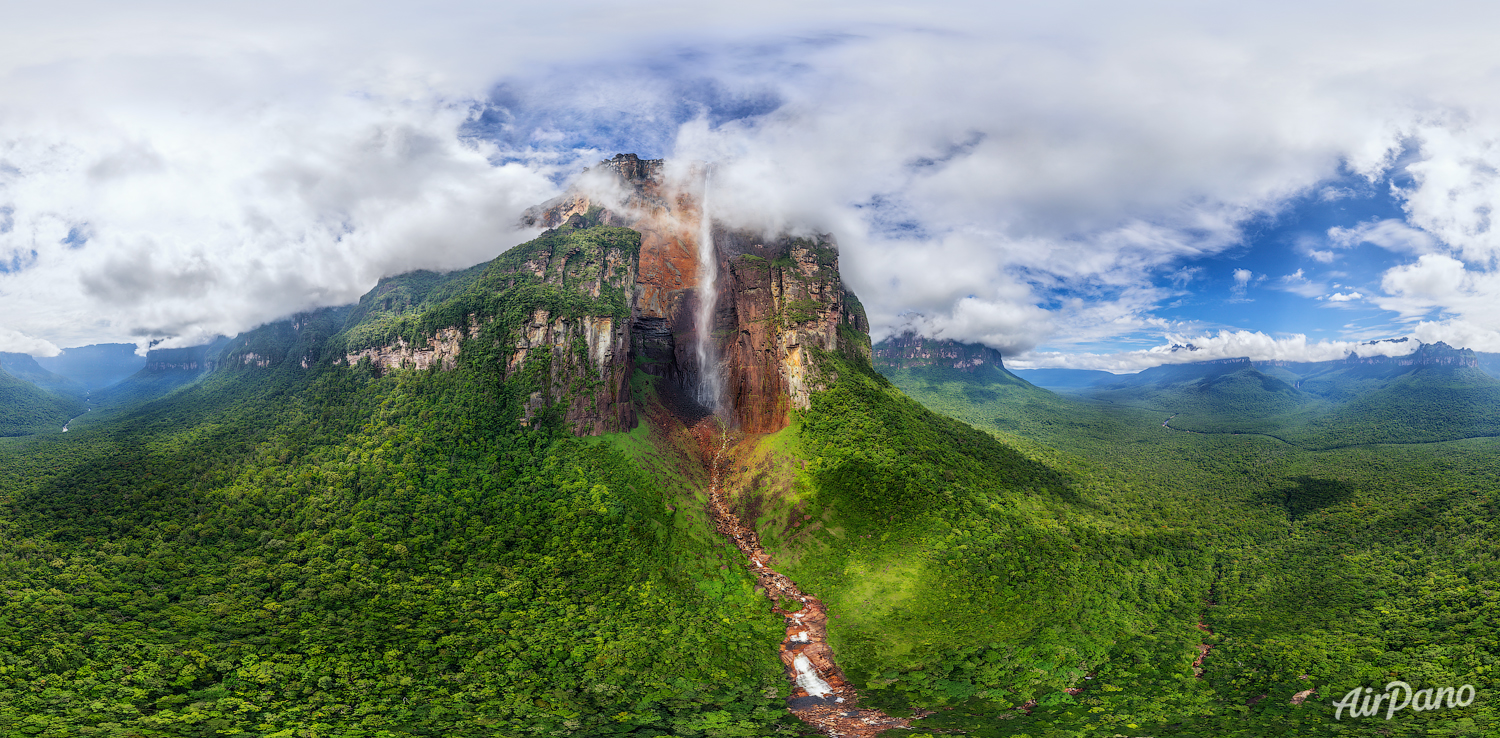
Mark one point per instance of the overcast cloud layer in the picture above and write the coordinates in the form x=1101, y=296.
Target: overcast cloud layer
x=1050, y=185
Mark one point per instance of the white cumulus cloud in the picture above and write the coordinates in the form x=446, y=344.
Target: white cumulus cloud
x=1297, y=283
x=1389, y=234
x=20, y=343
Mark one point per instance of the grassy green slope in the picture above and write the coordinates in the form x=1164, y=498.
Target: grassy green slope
x=130, y=393
x=1334, y=569
x=278, y=551
x=26, y=368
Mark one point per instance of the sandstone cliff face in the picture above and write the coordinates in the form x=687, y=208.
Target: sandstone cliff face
x=635, y=195
x=580, y=359
x=193, y=359
x=440, y=350
x=911, y=351
x=180, y=366
x=557, y=307
x=1428, y=354
x=779, y=301
x=778, y=298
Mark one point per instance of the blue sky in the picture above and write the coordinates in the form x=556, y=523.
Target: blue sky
x=1081, y=184
x=1294, y=266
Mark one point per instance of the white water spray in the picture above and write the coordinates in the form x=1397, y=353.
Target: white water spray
x=710, y=388
x=808, y=679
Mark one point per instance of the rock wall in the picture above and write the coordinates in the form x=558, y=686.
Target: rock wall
x=634, y=193
x=1428, y=354
x=195, y=359
x=441, y=350
x=574, y=355
x=780, y=301
x=779, y=298
x=582, y=360
x=585, y=362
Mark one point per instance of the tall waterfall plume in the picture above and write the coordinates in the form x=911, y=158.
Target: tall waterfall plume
x=710, y=390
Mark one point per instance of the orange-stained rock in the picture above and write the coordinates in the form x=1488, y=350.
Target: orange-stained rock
x=779, y=298
x=834, y=711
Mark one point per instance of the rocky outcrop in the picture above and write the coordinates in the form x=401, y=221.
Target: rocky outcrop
x=440, y=350
x=298, y=339
x=780, y=301
x=575, y=358
x=912, y=351
x=194, y=359
x=180, y=366
x=1428, y=354
x=634, y=193
x=583, y=362
x=779, y=298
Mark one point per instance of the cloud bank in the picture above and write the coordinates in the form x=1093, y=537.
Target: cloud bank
x=1038, y=180
x=1255, y=346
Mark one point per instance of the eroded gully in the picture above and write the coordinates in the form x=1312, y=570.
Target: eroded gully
x=821, y=696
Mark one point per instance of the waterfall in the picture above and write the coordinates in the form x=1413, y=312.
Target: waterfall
x=710, y=376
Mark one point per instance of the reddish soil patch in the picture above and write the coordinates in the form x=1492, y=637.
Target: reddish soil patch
x=1203, y=648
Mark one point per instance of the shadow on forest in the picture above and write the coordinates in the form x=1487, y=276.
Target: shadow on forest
x=1303, y=495
x=979, y=395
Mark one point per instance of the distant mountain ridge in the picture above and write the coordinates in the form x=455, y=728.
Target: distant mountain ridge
x=25, y=367
x=1429, y=354
x=1436, y=392
x=96, y=366
x=1062, y=378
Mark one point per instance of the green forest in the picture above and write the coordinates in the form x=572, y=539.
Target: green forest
x=275, y=551
x=1331, y=568
x=30, y=409
x=343, y=550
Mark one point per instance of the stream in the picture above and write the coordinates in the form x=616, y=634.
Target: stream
x=821, y=696
x=75, y=417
